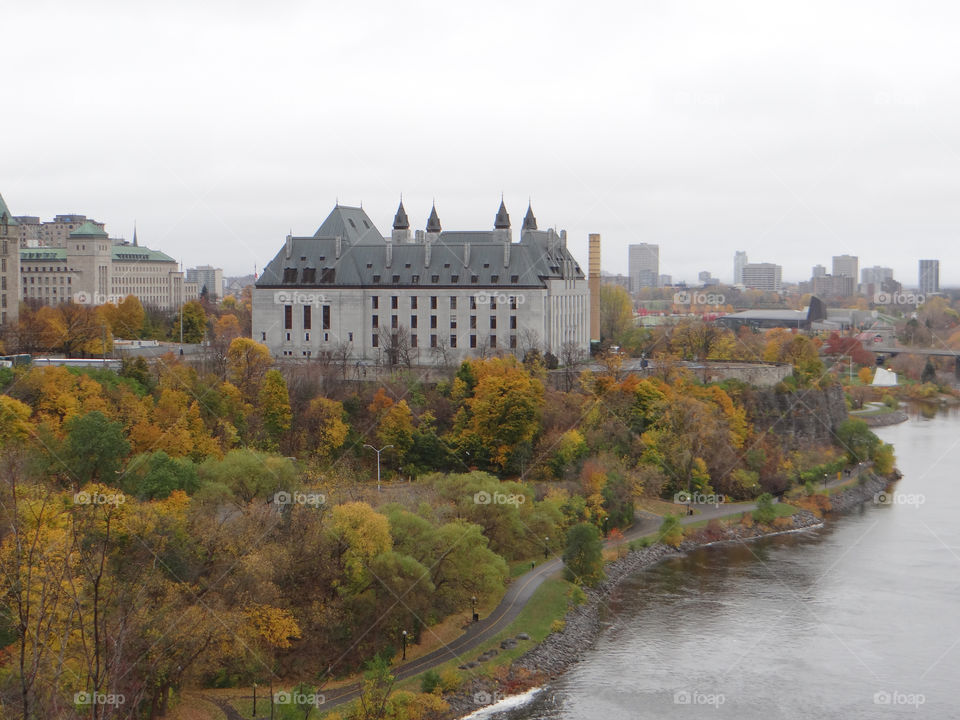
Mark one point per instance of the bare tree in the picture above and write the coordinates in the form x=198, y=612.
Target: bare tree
x=571, y=357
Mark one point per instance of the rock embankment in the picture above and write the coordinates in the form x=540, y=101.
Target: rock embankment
x=892, y=418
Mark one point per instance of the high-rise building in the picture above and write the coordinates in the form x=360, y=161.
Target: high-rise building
x=593, y=282
x=9, y=266
x=875, y=279
x=929, y=277
x=739, y=262
x=643, y=265
x=847, y=265
x=832, y=286
x=209, y=277
x=763, y=276
x=818, y=271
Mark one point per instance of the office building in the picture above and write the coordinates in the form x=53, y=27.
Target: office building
x=739, y=262
x=763, y=276
x=929, y=277
x=846, y=265
x=643, y=266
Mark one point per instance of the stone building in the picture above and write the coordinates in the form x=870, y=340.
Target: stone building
x=427, y=297
x=9, y=266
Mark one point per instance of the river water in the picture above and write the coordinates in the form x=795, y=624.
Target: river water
x=857, y=620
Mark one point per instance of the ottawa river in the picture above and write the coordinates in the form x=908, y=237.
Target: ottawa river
x=857, y=620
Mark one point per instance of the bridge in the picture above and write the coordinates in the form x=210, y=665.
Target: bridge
x=893, y=351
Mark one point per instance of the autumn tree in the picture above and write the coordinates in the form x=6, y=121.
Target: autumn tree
x=616, y=313
x=583, y=555
x=274, y=407
x=247, y=362
x=190, y=323
x=226, y=329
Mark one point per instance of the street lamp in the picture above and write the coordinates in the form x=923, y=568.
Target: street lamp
x=378, y=460
x=473, y=604
x=404, y=634
x=825, y=476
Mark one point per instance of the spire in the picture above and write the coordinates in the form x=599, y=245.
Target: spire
x=433, y=222
x=135, y=233
x=529, y=221
x=400, y=221
x=502, y=221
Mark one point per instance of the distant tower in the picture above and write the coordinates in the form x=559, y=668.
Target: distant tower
x=928, y=280
x=135, y=234
x=739, y=262
x=593, y=285
x=433, y=222
x=401, y=226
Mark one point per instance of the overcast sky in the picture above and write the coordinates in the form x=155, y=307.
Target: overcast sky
x=794, y=131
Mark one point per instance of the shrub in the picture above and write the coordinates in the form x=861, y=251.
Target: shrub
x=765, y=514
x=671, y=532
x=430, y=681
x=450, y=680
x=783, y=523
x=558, y=626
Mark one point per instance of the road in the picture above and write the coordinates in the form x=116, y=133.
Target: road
x=522, y=589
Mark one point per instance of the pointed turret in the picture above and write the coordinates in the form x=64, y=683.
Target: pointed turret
x=400, y=221
x=135, y=235
x=433, y=222
x=529, y=221
x=502, y=221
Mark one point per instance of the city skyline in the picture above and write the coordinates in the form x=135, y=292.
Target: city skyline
x=659, y=128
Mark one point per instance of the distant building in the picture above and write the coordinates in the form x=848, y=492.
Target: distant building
x=739, y=263
x=593, y=281
x=875, y=279
x=847, y=266
x=763, y=276
x=818, y=271
x=706, y=279
x=209, y=277
x=929, y=277
x=54, y=233
x=643, y=265
x=621, y=280
x=832, y=286
x=664, y=281
x=430, y=297
x=9, y=266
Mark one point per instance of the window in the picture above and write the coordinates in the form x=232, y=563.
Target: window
x=306, y=337
x=287, y=317
x=434, y=279
x=473, y=322
x=375, y=340
x=375, y=302
x=393, y=302
x=307, y=317
x=433, y=321
x=473, y=341
x=453, y=302
x=474, y=279
x=396, y=279
x=493, y=341
x=513, y=302
x=288, y=337
x=513, y=322
x=349, y=337
x=433, y=341
x=453, y=322
x=375, y=321
x=514, y=279
x=413, y=321
x=263, y=337
x=325, y=312
x=433, y=302
x=413, y=340
x=513, y=342
x=494, y=278
x=413, y=302
x=393, y=322
x=454, y=278
x=493, y=322
x=415, y=279
x=453, y=341
x=376, y=278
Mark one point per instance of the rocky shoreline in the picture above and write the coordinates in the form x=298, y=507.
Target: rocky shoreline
x=561, y=649
x=892, y=418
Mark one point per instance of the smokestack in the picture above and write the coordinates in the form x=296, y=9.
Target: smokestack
x=593, y=285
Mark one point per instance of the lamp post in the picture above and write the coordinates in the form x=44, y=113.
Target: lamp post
x=825, y=476
x=404, y=634
x=378, y=460
x=254, y=699
x=473, y=605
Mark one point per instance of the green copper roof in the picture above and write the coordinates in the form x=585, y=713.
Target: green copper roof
x=43, y=254
x=88, y=229
x=135, y=253
x=4, y=210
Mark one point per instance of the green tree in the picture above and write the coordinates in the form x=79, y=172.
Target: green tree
x=194, y=320
x=616, y=313
x=583, y=556
x=154, y=476
x=95, y=448
x=857, y=439
x=765, y=512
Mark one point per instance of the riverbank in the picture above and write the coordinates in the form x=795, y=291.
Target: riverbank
x=883, y=419
x=582, y=624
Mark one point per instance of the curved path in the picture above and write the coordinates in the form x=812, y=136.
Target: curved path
x=522, y=589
